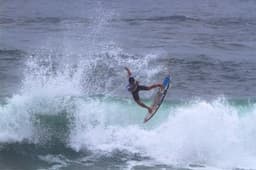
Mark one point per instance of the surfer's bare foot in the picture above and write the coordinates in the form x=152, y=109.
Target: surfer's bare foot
x=161, y=87
x=150, y=110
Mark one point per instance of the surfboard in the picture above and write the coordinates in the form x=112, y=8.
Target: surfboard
x=159, y=98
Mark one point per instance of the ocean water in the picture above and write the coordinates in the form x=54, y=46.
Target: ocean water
x=63, y=101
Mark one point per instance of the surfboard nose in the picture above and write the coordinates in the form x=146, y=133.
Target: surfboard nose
x=166, y=80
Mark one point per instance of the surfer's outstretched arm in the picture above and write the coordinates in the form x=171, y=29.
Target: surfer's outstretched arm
x=128, y=71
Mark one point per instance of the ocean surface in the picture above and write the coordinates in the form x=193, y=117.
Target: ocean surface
x=63, y=98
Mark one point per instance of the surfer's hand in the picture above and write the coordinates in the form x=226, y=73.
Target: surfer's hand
x=128, y=71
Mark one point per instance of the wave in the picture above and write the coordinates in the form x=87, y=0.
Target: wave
x=59, y=108
x=200, y=132
x=6, y=21
x=173, y=18
x=219, y=133
x=231, y=21
x=11, y=52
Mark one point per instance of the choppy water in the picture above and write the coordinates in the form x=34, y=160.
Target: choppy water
x=63, y=99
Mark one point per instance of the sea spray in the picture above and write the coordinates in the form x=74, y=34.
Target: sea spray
x=52, y=88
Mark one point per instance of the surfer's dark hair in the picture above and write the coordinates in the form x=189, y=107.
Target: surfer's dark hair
x=131, y=80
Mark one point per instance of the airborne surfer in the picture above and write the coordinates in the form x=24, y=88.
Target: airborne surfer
x=134, y=87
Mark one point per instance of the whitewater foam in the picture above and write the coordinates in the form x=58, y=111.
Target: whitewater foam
x=204, y=133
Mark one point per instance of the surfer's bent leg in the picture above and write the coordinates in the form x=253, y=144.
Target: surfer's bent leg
x=136, y=97
x=143, y=105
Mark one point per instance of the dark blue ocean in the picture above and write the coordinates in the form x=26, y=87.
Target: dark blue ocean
x=63, y=98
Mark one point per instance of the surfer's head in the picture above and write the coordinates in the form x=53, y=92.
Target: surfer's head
x=131, y=80
x=132, y=84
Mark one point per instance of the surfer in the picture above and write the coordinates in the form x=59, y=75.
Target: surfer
x=134, y=87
